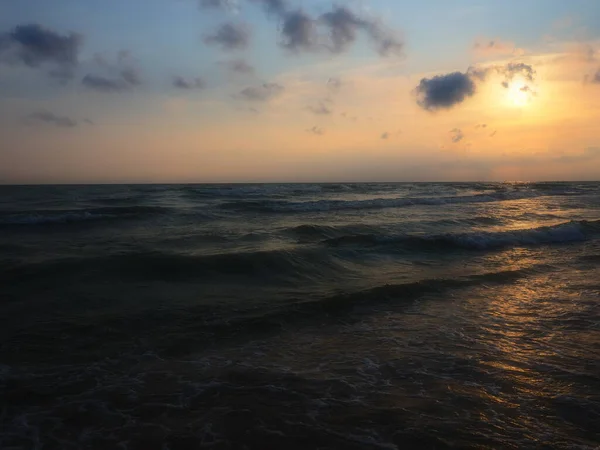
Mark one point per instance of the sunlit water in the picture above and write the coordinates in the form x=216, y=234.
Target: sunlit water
x=359, y=316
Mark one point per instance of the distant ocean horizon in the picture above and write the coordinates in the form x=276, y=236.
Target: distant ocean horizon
x=369, y=315
x=209, y=183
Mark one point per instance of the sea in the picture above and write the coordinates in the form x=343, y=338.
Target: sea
x=300, y=316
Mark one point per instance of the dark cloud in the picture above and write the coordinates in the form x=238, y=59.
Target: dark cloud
x=457, y=135
x=494, y=133
x=51, y=119
x=33, y=46
x=230, y=36
x=89, y=121
x=238, y=66
x=385, y=135
x=316, y=130
x=445, y=91
x=182, y=83
x=321, y=110
x=343, y=27
x=262, y=93
x=481, y=125
x=449, y=90
x=387, y=43
x=299, y=32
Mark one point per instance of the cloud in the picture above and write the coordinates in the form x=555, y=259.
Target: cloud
x=299, y=32
x=51, y=119
x=276, y=7
x=589, y=154
x=316, y=131
x=131, y=76
x=457, y=135
x=335, y=84
x=227, y=5
x=182, y=83
x=122, y=75
x=343, y=27
x=230, y=36
x=593, y=79
x=511, y=70
x=448, y=90
x=238, y=66
x=321, y=110
x=494, y=133
x=527, y=89
x=335, y=31
x=385, y=135
x=100, y=83
x=496, y=47
x=104, y=84
x=481, y=125
x=262, y=93
x=445, y=91
x=33, y=46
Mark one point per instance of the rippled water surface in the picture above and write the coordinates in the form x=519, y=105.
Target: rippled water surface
x=334, y=316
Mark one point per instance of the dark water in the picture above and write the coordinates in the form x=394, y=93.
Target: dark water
x=358, y=316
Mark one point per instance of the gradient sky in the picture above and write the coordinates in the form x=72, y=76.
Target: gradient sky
x=302, y=90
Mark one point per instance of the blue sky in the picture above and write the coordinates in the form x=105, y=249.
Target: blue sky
x=166, y=38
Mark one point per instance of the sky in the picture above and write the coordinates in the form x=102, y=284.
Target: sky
x=194, y=91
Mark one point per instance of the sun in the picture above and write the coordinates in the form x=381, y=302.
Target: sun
x=518, y=93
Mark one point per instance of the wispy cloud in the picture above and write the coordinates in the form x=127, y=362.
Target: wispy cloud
x=320, y=110
x=457, y=135
x=496, y=47
x=47, y=117
x=183, y=83
x=230, y=36
x=262, y=93
x=226, y=5
x=316, y=131
x=119, y=76
x=239, y=66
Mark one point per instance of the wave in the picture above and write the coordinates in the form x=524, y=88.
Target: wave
x=574, y=231
x=333, y=308
x=287, y=265
x=274, y=265
x=54, y=217
x=251, y=190
x=280, y=206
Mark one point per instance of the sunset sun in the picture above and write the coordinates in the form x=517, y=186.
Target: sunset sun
x=518, y=93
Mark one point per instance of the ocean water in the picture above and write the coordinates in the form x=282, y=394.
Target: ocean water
x=329, y=316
